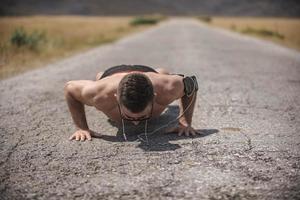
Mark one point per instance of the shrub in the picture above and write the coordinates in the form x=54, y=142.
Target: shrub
x=206, y=19
x=20, y=38
x=143, y=21
x=263, y=32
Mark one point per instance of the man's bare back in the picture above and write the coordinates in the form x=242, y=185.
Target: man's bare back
x=101, y=94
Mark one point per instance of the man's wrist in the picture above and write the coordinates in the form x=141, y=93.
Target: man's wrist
x=83, y=129
x=184, y=122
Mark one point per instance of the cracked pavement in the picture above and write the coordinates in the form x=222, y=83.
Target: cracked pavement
x=247, y=110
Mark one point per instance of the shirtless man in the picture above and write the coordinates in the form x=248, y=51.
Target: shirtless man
x=133, y=93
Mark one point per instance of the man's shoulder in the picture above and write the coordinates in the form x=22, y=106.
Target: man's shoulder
x=164, y=78
x=168, y=81
x=101, y=94
x=168, y=87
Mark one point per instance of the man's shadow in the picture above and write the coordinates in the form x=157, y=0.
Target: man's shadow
x=157, y=140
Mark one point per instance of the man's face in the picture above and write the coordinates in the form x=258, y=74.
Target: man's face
x=136, y=117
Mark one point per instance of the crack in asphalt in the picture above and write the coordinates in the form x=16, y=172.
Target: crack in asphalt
x=12, y=150
x=249, y=141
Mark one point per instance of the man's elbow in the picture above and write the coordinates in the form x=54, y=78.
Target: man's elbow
x=68, y=87
x=68, y=84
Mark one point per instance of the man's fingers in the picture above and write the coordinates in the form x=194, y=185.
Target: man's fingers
x=88, y=136
x=72, y=136
x=180, y=132
x=82, y=137
x=193, y=132
x=77, y=137
x=186, y=131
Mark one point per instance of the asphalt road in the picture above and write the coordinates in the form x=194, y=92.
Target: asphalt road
x=247, y=109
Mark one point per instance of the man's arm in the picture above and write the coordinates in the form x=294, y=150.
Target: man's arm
x=73, y=92
x=187, y=105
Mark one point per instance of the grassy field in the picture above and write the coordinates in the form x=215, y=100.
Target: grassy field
x=31, y=42
x=285, y=31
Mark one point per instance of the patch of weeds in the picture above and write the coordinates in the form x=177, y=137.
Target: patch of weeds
x=263, y=32
x=206, y=19
x=146, y=20
x=20, y=38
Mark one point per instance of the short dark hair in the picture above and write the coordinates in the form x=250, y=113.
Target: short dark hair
x=135, y=92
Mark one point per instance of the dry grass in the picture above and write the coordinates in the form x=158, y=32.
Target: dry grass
x=65, y=35
x=285, y=31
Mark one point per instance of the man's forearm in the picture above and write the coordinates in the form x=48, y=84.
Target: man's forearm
x=189, y=104
x=77, y=111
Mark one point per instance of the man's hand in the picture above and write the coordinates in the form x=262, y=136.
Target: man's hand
x=81, y=135
x=184, y=128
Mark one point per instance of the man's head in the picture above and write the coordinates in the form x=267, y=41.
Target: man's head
x=135, y=95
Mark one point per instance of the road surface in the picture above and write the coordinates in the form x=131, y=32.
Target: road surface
x=247, y=110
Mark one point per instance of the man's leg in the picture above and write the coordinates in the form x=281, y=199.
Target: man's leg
x=98, y=76
x=162, y=71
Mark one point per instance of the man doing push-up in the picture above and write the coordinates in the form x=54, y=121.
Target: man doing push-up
x=133, y=93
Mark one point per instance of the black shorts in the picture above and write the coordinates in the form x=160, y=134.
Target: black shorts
x=126, y=68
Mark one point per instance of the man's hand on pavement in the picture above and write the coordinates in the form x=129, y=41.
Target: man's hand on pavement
x=81, y=135
x=183, y=128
